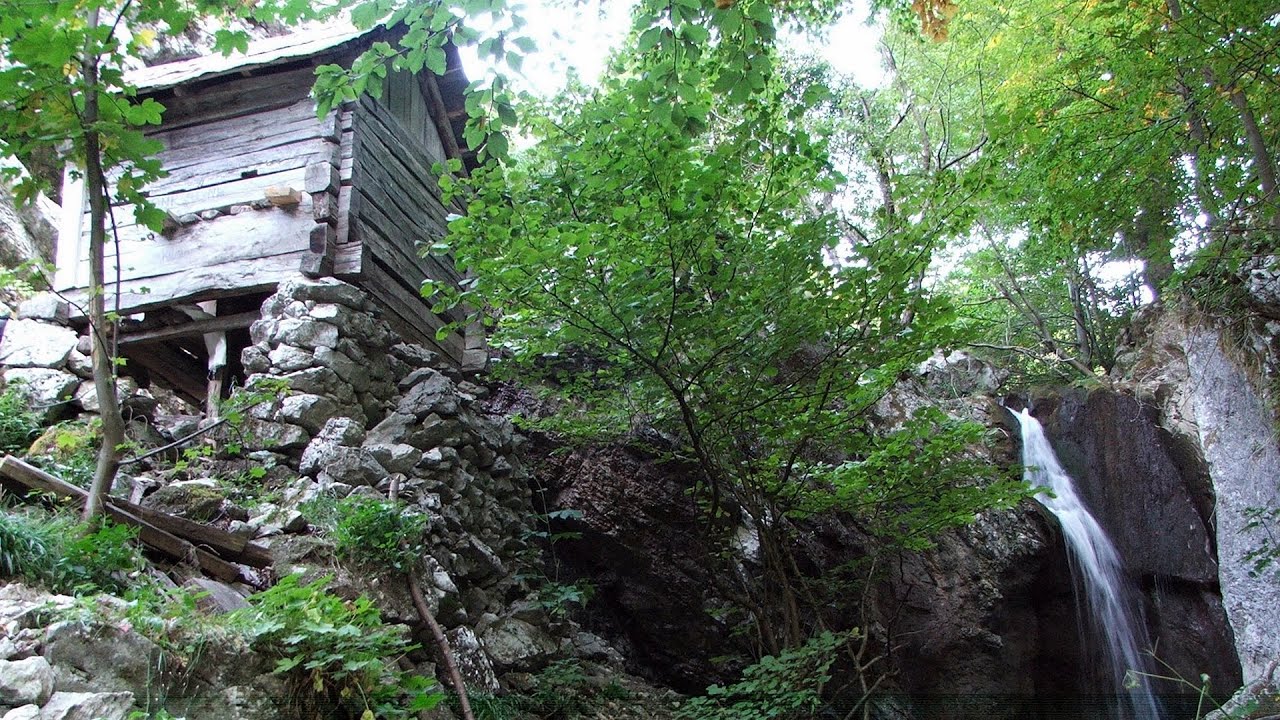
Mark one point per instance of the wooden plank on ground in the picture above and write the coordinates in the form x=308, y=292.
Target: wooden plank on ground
x=161, y=540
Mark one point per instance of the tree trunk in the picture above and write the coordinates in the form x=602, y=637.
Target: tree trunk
x=104, y=380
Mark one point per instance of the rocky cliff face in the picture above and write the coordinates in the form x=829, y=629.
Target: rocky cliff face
x=1150, y=491
x=1209, y=380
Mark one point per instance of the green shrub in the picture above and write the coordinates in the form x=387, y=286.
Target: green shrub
x=787, y=686
x=19, y=425
x=341, y=651
x=379, y=532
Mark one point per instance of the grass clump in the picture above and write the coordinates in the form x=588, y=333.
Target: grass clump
x=66, y=556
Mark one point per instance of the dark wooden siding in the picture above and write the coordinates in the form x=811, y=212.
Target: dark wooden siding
x=396, y=209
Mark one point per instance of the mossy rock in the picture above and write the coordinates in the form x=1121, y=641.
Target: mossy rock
x=194, y=501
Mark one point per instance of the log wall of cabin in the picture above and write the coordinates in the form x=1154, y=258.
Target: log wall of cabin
x=396, y=208
x=225, y=143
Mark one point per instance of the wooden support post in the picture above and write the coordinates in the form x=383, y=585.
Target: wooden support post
x=324, y=247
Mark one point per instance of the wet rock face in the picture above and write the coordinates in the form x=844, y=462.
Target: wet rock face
x=643, y=548
x=1128, y=471
x=1151, y=493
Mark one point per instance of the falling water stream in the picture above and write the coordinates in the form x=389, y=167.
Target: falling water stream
x=1096, y=567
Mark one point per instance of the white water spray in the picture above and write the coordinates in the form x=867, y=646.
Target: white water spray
x=1096, y=566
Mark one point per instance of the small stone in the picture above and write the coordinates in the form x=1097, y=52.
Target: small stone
x=210, y=214
x=79, y=364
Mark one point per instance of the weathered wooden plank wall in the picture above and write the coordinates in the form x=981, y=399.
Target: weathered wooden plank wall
x=224, y=146
x=395, y=209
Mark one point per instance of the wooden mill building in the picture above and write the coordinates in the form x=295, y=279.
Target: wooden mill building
x=260, y=189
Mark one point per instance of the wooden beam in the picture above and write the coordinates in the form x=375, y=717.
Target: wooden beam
x=177, y=370
x=194, y=327
x=161, y=540
x=441, y=116
x=70, y=238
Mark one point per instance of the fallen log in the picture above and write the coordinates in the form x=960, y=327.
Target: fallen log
x=170, y=535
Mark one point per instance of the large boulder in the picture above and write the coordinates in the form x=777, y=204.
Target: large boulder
x=32, y=343
x=87, y=706
x=25, y=681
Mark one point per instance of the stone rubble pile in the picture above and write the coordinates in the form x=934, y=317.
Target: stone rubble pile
x=347, y=408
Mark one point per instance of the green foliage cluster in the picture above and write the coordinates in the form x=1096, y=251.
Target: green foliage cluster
x=1264, y=522
x=379, y=532
x=19, y=425
x=339, y=653
x=788, y=686
x=69, y=450
x=930, y=475
x=66, y=556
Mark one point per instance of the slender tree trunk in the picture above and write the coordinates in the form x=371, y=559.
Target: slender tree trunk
x=437, y=632
x=104, y=379
x=1263, y=164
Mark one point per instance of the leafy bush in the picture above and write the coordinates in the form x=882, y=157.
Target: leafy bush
x=18, y=424
x=340, y=650
x=787, y=686
x=379, y=532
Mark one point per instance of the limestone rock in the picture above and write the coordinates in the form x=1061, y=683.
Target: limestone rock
x=110, y=658
x=960, y=373
x=87, y=394
x=287, y=358
x=87, y=706
x=473, y=663
x=31, y=343
x=25, y=681
x=430, y=392
x=265, y=435
x=49, y=390
x=45, y=306
x=396, y=458
x=26, y=712
x=325, y=290
x=193, y=500
x=309, y=411
x=513, y=644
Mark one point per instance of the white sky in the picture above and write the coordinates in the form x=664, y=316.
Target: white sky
x=579, y=37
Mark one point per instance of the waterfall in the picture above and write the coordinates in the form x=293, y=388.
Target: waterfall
x=1095, y=565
